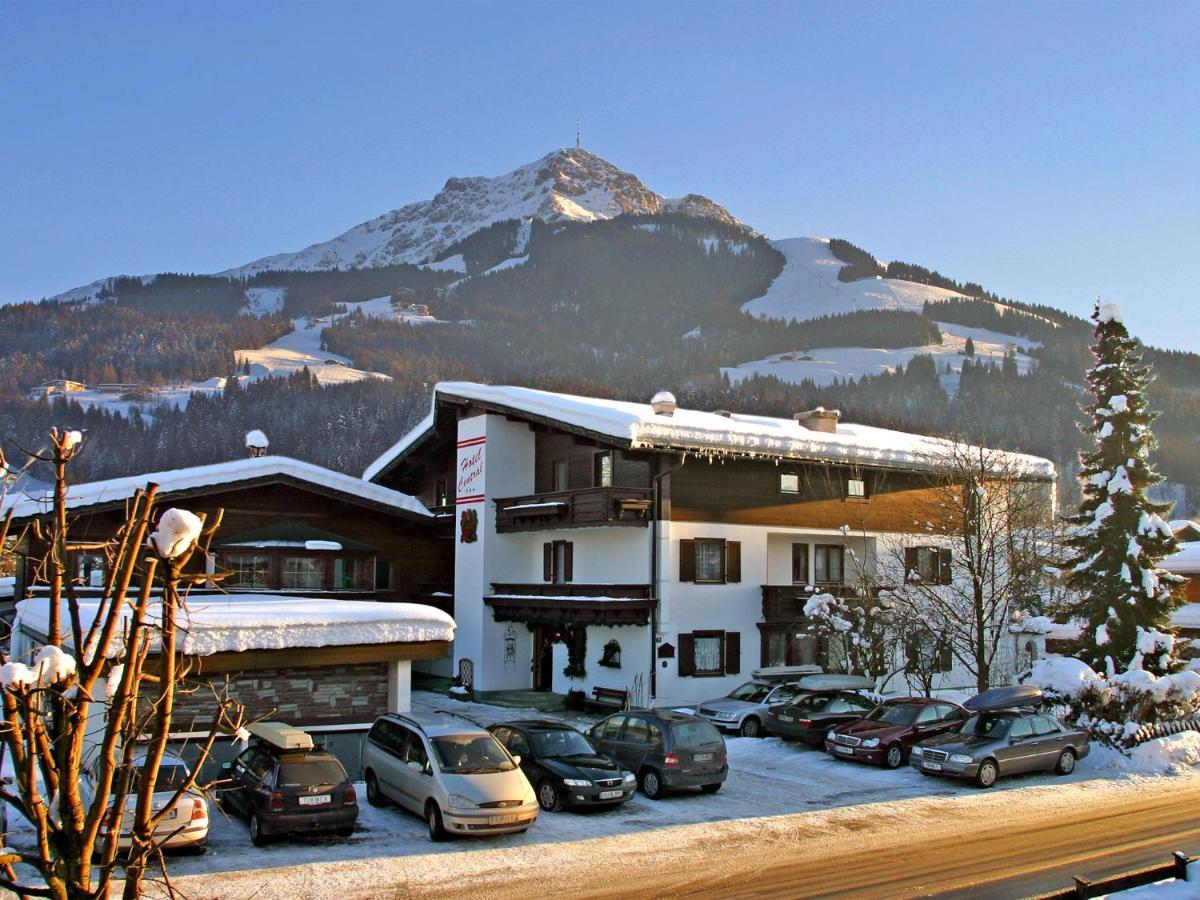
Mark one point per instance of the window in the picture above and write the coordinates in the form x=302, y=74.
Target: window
x=1021, y=729
x=354, y=574
x=827, y=564
x=602, y=469
x=707, y=653
x=710, y=561
x=383, y=574
x=856, y=488
x=930, y=565
x=637, y=731
x=304, y=572
x=558, y=562
x=560, y=475
x=612, y=728
x=248, y=570
x=789, y=483
x=928, y=654
x=784, y=648
x=1043, y=725
x=799, y=563
x=91, y=570
x=927, y=715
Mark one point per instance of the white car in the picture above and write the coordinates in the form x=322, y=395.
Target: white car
x=186, y=824
x=745, y=709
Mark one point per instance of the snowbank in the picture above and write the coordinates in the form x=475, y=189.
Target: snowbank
x=237, y=622
x=1062, y=675
x=1167, y=754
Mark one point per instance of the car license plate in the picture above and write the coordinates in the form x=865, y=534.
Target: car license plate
x=787, y=718
x=319, y=800
x=610, y=795
x=840, y=749
x=503, y=820
x=701, y=757
x=933, y=767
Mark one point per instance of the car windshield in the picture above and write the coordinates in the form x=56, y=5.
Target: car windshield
x=170, y=778
x=561, y=743
x=751, y=692
x=693, y=734
x=894, y=713
x=471, y=754
x=306, y=773
x=810, y=701
x=987, y=725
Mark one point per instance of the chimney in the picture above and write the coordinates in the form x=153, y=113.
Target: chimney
x=256, y=443
x=819, y=419
x=663, y=403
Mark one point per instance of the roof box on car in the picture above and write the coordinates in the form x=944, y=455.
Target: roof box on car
x=784, y=673
x=1010, y=697
x=281, y=735
x=831, y=681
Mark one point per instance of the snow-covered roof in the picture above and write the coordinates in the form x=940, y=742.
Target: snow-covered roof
x=707, y=432
x=237, y=622
x=1186, y=616
x=226, y=474
x=1186, y=560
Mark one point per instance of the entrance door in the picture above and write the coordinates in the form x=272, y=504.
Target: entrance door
x=543, y=658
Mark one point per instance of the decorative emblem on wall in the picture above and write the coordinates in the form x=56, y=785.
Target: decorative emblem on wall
x=468, y=526
x=510, y=647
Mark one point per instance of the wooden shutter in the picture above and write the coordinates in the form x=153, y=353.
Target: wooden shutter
x=733, y=561
x=687, y=561
x=687, y=654
x=568, y=560
x=733, y=652
x=547, y=561
x=943, y=559
x=910, y=562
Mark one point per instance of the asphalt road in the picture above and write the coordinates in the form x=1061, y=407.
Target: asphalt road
x=1020, y=855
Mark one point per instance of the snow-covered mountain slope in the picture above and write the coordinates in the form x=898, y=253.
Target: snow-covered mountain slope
x=808, y=287
x=824, y=365
x=568, y=184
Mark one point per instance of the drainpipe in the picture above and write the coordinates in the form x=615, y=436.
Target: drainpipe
x=654, y=574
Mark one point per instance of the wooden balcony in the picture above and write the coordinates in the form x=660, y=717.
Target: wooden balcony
x=785, y=602
x=571, y=604
x=580, y=508
x=573, y=589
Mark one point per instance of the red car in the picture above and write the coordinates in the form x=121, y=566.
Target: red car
x=885, y=735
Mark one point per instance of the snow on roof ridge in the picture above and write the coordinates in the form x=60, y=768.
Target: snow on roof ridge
x=697, y=430
x=213, y=474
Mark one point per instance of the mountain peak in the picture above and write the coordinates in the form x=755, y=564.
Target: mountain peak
x=566, y=184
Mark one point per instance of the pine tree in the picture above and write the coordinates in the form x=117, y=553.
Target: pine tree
x=969, y=350
x=1120, y=536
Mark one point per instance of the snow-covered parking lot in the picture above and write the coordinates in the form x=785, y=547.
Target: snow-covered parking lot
x=769, y=782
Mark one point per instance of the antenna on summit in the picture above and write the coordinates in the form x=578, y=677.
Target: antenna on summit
x=578, y=135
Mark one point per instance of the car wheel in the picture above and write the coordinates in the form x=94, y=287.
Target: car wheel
x=374, y=794
x=652, y=784
x=751, y=727
x=200, y=848
x=1066, y=762
x=437, y=831
x=710, y=788
x=548, y=798
x=894, y=756
x=256, y=835
x=987, y=774
x=344, y=832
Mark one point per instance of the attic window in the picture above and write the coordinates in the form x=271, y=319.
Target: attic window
x=789, y=483
x=856, y=488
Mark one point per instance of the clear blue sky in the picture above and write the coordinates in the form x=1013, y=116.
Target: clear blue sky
x=1046, y=150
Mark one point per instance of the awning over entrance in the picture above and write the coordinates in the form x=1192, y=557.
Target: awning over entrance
x=567, y=610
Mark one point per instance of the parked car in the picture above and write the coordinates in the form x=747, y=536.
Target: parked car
x=1003, y=738
x=563, y=766
x=744, y=709
x=451, y=772
x=281, y=785
x=884, y=735
x=811, y=715
x=184, y=827
x=667, y=750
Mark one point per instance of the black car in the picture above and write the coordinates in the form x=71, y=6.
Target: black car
x=809, y=716
x=281, y=785
x=667, y=750
x=563, y=766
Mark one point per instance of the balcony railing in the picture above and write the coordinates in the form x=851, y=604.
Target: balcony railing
x=580, y=508
x=573, y=589
x=785, y=602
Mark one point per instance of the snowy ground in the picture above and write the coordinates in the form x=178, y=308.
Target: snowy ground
x=825, y=365
x=772, y=786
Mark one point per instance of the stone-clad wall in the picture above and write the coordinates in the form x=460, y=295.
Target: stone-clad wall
x=299, y=696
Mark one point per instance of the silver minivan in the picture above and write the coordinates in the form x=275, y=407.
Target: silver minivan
x=451, y=772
